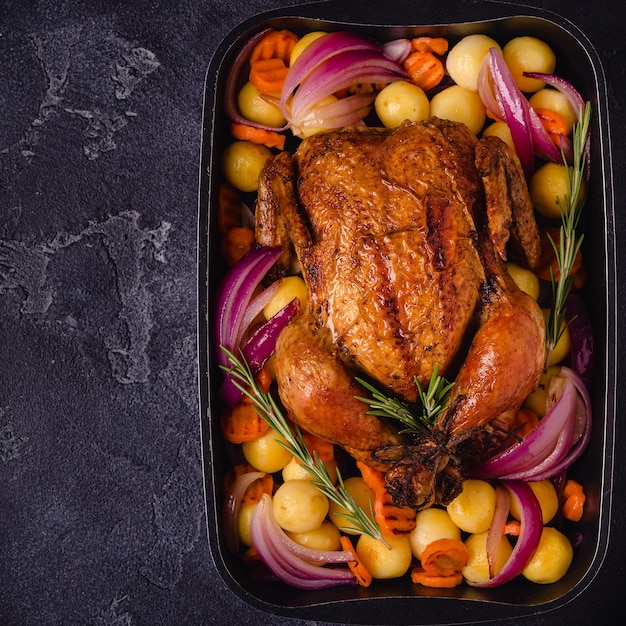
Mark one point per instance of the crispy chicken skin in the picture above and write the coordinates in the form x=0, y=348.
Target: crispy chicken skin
x=400, y=236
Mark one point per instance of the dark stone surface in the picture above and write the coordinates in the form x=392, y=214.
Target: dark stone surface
x=101, y=496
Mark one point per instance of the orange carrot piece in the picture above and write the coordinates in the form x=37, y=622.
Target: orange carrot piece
x=574, y=503
x=275, y=44
x=419, y=576
x=444, y=557
x=241, y=423
x=257, y=489
x=236, y=242
x=357, y=567
x=236, y=471
x=268, y=75
x=437, y=45
x=262, y=136
x=553, y=122
x=393, y=520
x=512, y=528
x=324, y=449
x=424, y=69
x=251, y=556
x=548, y=261
x=228, y=208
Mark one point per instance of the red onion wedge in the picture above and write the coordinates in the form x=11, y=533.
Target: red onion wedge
x=231, y=508
x=234, y=295
x=504, y=100
x=513, y=107
x=288, y=560
x=232, y=82
x=257, y=304
x=531, y=525
x=328, y=65
x=397, y=50
x=582, y=338
x=259, y=347
x=496, y=528
x=575, y=99
x=567, y=89
x=554, y=444
x=582, y=428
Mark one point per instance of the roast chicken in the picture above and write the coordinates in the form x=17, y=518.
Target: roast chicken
x=401, y=236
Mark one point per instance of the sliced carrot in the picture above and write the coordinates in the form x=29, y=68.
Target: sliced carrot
x=419, y=576
x=275, y=44
x=424, y=69
x=548, y=261
x=444, y=557
x=437, y=45
x=512, y=528
x=257, y=489
x=324, y=449
x=236, y=471
x=574, y=503
x=268, y=75
x=251, y=556
x=236, y=242
x=357, y=567
x=228, y=208
x=242, y=423
x=262, y=136
x=553, y=122
x=393, y=520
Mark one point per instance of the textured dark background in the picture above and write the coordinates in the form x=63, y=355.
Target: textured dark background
x=101, y=497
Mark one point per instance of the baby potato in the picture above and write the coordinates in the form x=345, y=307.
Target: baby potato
x=554, y=100
x=472, y=510
x=430, y=525
x=526, y=280
x=289, y=287
x=563, y=346
x=242, y=162
x=299, y=506
x=536, y=401
x=551, y=559
x=256, y=108
x=465, y=58
x=546, y=496
x=477, y=568
x=302, y=43
x=400, y=101
x=459, y=104
x=265, y=453
x=363, y=496
x=326, y=537
x=382, y=562
x=295, y=470
x=244, y=519
x=548, y=186
x=500, y=129
x=528, y=54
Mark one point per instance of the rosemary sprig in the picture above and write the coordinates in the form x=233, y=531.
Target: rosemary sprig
x=432, y=403
x=569, y=244
x=267, y=407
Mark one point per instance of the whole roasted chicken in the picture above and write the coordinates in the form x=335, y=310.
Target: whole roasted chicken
x=401, y=237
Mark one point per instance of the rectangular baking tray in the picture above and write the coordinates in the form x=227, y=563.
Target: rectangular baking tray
x=399, y=601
